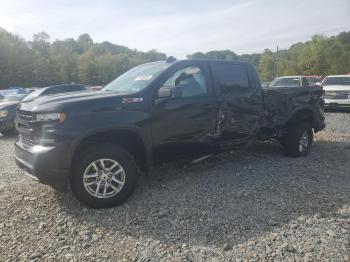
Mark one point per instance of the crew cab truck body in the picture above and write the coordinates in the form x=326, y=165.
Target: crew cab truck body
x=95, y=143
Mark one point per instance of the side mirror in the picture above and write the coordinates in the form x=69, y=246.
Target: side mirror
x=169, y=92
x=165, y=92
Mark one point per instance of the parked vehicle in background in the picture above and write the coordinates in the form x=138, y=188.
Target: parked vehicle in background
x=265, y=84
x=337, y=91
x=16, y=95
x=95, y=142
x=14, y=91
x=8, y=108
x=290, y=81
x=51, y=90
x=314, y=80
x=15, y=88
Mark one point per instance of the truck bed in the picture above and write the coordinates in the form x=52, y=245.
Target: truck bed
x=281, y=102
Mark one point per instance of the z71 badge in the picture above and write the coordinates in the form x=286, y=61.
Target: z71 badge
x=131, y=100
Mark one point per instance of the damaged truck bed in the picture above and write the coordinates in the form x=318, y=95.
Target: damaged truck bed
x=95, y=142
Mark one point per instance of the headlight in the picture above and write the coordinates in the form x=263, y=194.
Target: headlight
x=51, y=117
x=4, y=113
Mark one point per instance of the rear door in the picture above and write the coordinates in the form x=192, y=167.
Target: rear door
x=240, y=101
x=182, y=126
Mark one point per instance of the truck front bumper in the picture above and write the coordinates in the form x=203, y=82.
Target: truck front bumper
x=43, y=164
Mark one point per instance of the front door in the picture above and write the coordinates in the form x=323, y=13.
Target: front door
x=183, y=125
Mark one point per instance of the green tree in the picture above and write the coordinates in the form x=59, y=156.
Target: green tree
x=87, y=68
x=267, y=66
x=40, y=62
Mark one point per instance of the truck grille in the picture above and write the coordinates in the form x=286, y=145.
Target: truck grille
x=337, y=95
x=25, y=115
x=25, y=128
x=27, y=140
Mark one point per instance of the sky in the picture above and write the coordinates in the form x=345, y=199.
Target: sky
x=180, y=27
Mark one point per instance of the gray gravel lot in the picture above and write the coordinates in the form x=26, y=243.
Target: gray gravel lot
x=247, y=205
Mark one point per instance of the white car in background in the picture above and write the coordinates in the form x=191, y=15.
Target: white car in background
x=337, y=91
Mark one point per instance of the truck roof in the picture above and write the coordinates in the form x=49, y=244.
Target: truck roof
x=212, y=60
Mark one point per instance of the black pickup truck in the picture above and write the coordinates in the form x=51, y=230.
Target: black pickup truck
x=97, y=143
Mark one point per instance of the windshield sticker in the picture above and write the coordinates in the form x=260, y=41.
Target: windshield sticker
x=143, y=78
x=131, y=100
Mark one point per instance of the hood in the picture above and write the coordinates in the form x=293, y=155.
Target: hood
x=7, y=104
x=59, y=102
x=336, y=88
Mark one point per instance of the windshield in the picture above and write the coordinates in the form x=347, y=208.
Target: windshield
x=342, y=81
x=137, y=78
x=286, y=82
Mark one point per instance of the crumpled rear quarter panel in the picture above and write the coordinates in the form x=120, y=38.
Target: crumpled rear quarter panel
x=281, y=103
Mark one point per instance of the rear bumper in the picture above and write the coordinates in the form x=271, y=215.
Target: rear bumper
x=43, y=163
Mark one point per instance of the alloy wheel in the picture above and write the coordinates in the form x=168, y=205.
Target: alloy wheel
x=104, y=178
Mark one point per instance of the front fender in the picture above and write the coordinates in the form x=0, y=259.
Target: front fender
x=145, y=138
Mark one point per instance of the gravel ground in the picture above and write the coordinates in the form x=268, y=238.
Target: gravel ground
x=237, y=206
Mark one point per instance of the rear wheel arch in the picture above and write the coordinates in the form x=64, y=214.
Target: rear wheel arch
x=304, y=115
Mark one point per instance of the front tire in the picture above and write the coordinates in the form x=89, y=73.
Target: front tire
x=298, y=140
x=104, y=176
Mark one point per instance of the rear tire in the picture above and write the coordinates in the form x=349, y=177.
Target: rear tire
x=91, y=175
x=298, y=140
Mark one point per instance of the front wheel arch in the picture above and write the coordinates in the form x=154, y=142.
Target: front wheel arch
x=92, y=154
x=130, y=140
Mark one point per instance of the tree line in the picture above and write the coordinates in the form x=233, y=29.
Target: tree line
x=40, y=62
x=321, y=55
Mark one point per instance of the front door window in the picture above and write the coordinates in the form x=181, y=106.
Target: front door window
x=189, y=80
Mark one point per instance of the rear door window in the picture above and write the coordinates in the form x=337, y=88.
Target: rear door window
x=230, y=77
